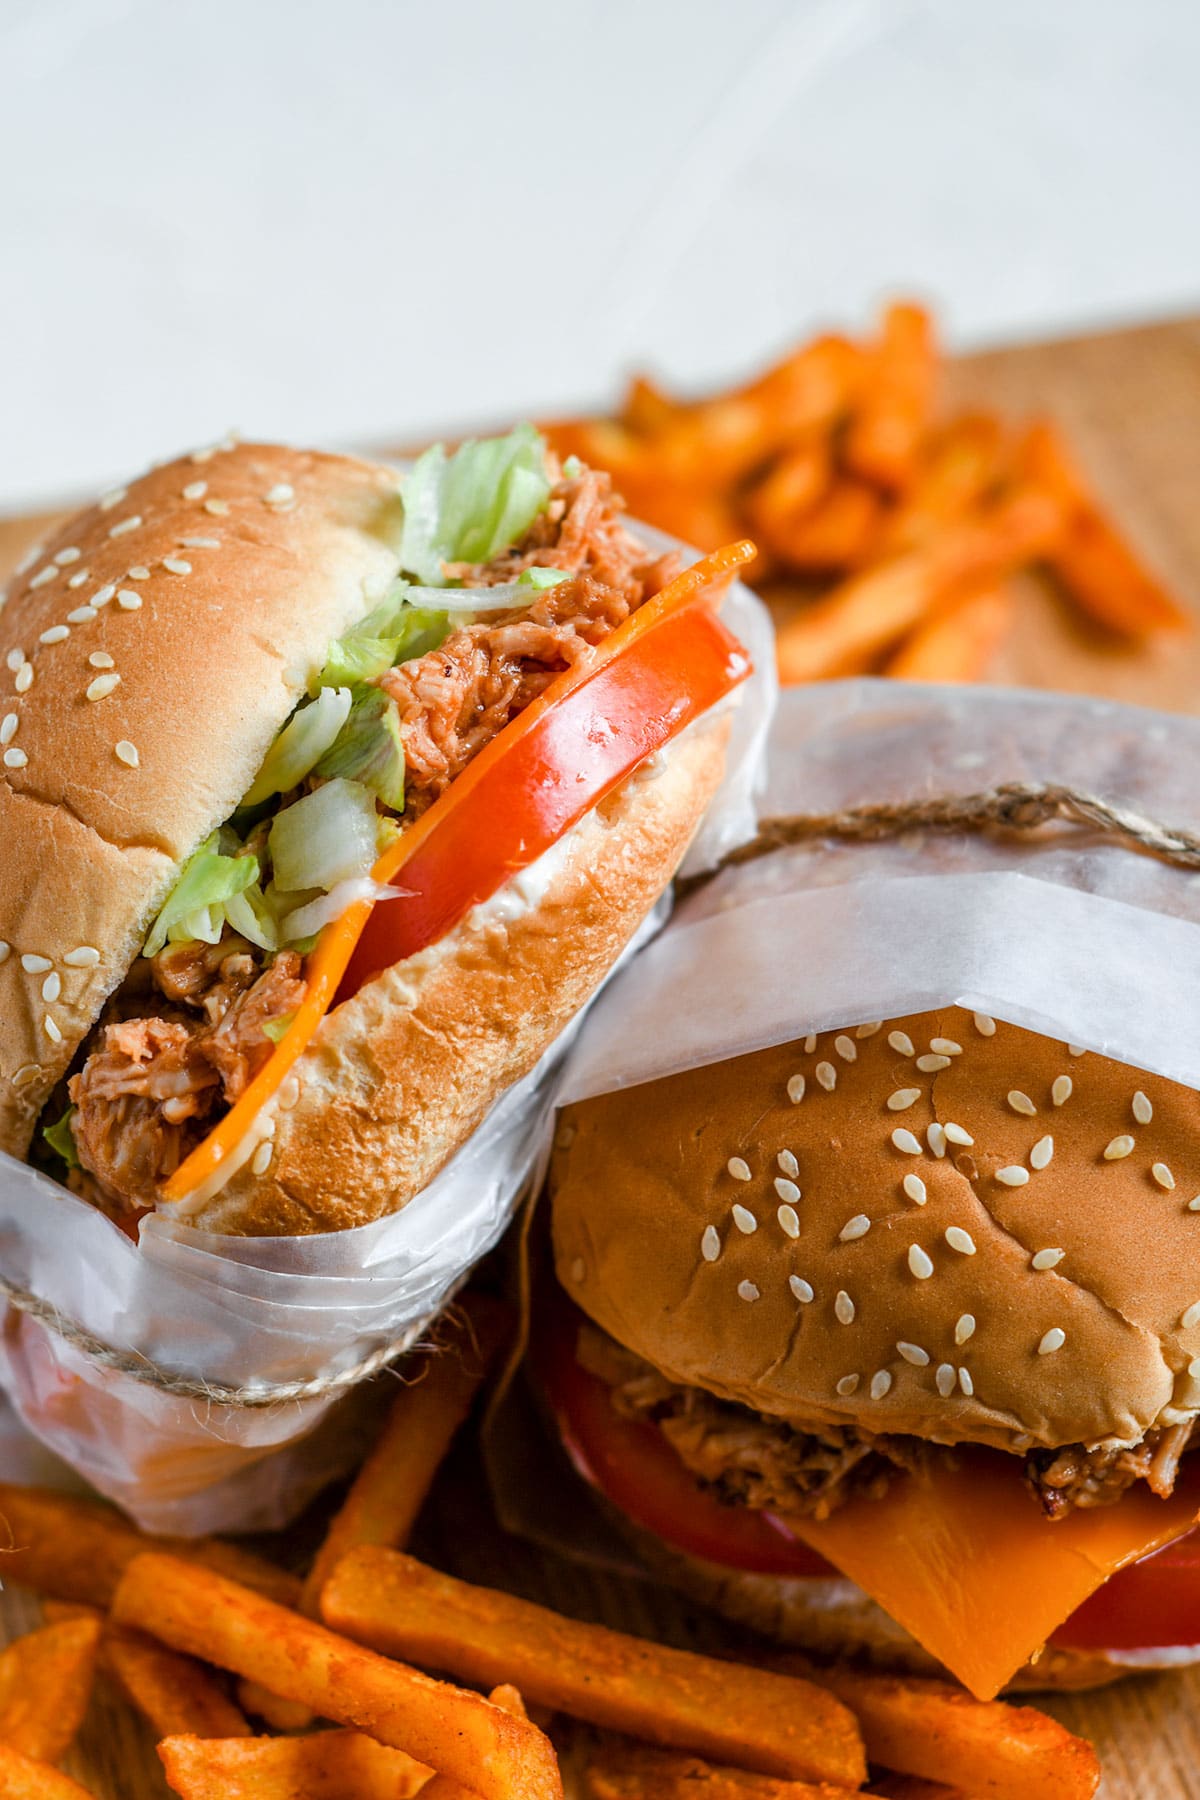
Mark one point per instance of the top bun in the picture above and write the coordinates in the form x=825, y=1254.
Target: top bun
x=149, y=654
x=783, y=1230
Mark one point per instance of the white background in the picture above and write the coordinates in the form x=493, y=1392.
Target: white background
x=349, y=220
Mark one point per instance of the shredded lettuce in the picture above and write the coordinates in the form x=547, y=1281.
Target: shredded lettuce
x=307, y=920
x=61, y=1139
x=328, y=836
x=369, y=747
x=469, y=506
x=301, y=744
x=195, y=907
x=537, y=577
x=394, y=633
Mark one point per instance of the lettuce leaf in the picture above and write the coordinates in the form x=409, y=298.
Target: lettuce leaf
x=369, y=747
x=195, y=907
x=328, y=836
x=469, y=506
x=301, y=744
x=61, y=1139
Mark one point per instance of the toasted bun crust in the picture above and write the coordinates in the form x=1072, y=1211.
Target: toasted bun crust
x=212, y=655
x=399, y=1076
x=1093, y=1349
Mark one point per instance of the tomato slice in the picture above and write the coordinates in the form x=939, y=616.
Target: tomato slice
x=1153, y=1604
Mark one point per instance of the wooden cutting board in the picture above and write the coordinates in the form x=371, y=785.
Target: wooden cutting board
x=1131, y=403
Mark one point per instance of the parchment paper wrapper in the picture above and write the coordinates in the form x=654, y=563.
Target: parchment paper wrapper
x=266, y=1310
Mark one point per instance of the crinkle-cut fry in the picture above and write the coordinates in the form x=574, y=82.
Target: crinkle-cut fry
x=328, y=1765
x=962, y=466
x=456, y=1732
x=389, y=1490
x=937, y=1731
x=957, y=643
x=46, y=1680
x=884, y=438
x=869, y=613
x=617, y=1769
x=174, y=1694
x=1094, y=561
x=24, y=1778
x=74, y=1549
x=838, y=532
x=670, y=1697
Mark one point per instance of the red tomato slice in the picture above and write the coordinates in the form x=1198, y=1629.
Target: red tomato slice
x=1151, y=1605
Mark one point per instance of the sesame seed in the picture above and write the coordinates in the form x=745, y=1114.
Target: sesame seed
x=55, y=635
x=1162, y=1175
x=218, y=508
x=810, y=1043
x=1047, y=1259
x=578, y=1267
x=25, y=1074
x=881, y=1381
x=1143, y=1109
x=965, y=1382
x=846, y=1048
x=957, y=1134
x=104, y=594
x=14, y=659
x=902, y=1099
x=24, y=678
x=127, y=753
x=945, y=1046
x=100, y=659
x=747, y=1290
x=1194, y=1205
x=906, y=1142
x=52, y=987
x=789, y=1221
x=103, y=686
x=929, y=1065
x=1013, y=1176
x=787, y=1190
x=866, y=1031
x=128, y=599
x=856, y=1227
x=51, y=1029
x=1062, y=1090
x=800, y=1288
x=1043, y=1150
x=847, y=1385
x=280, y=494
x=960, y=1240
x=29, y=558
x=1054, y=1339
x=745, y=1220
x=43, y=576
x=1191, y=1317
x=945, y=1379
x=83, y=615
x=195, y=490
x=35, y=965
x=175, y=565
x=965, y=1328
x=129, y=524
x=985, y=1025
x=83, y=958
x=901, y=1042
x=1118, y=1147
x=200, y=543
x=935, y=1137
x=1193, y=1367
x=710, y=1243
x=289, y=1093
x=844, y=1308
x=1076, y=1050
x=795, y=1089
x=787, y=1162
x=1021, y=1103
x=915, y=1188
x=139, y=572
x=80, y=576
x=826, y=1076
x=739, y=1168
x=8, y=727
x=108, y=501
x=261, y=1162
x=919, y=1262
x=69, y=555
x=913, y=1353
x=14, y=758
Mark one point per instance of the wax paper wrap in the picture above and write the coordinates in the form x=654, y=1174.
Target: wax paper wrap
x=266, y=1310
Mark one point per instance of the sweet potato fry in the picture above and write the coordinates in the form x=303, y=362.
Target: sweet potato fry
x=390, y=1488
x=839, y=532
x=77, y=1549
x=671, y=1697
x=460, y=1734
x=986, y=1747
x=883, y=442
x=329, y=1765
x=960, y=469
x=794, y=485
x=174, y=1694
x=23, y=1778
x=45, y=1685
x=620, y=1770
x=1097, y=566
x=648, y=408
x=958, y=643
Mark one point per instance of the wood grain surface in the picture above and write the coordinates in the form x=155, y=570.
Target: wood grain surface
x=1131, y=402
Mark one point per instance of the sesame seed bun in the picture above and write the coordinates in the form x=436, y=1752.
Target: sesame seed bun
x=149, y=654
x=815, y=1260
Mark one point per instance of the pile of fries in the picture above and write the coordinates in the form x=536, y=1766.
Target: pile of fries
x=201, y=1637
x=888, y=536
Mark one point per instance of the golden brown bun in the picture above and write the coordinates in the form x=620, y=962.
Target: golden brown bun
x=399, y=1076
x=212, y=658
x=640, y=1177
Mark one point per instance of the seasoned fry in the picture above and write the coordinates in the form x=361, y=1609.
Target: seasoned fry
x=911, y=1787
x=173, y=1693
x=958, y=643
x=272, y=1709
x=78, y=1549
x=647, y=408
x=963, y=465
x=22, y=1778
x=619, y=1770
x=460, y=1734
x=883, y=443
x=390, y=1488
x=45, y=1685
x=986, y=1747
x=791, y=489
x=671, y=1697
x=329, y=1765
x=839, y=532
